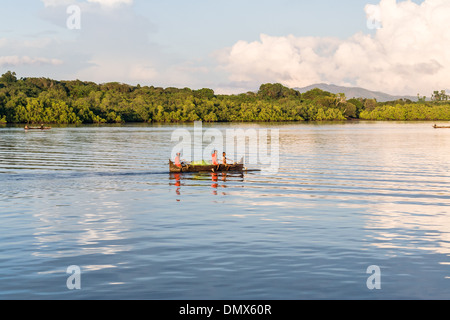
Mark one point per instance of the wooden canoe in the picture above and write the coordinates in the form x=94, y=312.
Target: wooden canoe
x=37, y=128
x=441, y=127
x=238, y=167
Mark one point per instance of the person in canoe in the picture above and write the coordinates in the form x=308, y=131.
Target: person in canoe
x=215, y=161
x=224, y=161
x=224, y=158
x=178, y=161
x=214, y=158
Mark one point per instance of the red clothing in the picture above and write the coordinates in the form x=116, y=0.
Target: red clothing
x=177, y=161
x=214, y=160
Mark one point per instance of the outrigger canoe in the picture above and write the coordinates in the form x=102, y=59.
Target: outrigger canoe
x=37, y=128
x=237, y=167
x=440, y=127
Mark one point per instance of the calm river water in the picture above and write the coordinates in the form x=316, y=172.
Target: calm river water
x=346, y=197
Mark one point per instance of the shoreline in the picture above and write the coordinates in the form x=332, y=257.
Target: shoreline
x=438, y=123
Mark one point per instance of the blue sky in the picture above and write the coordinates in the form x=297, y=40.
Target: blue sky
x=230, y=46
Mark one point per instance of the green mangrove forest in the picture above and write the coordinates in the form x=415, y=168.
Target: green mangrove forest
x=43, y=100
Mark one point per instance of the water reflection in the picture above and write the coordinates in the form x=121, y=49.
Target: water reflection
x=96, y=225
x=346, y=196
x=406, y=226
x=218, y=182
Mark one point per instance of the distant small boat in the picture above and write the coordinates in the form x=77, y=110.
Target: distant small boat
x=37, y=128
x=441, y=127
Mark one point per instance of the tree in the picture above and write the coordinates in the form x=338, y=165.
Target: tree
x=421, y=99
x=370, y=104
x=8, y=77
x=276, y=91
x=350, y=110
x=358, y=104
x=204, y=93
x=439, y=96
x=316, y=93
x=436, y=96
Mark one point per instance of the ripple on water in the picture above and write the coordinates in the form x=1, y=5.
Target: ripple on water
x=346, y=196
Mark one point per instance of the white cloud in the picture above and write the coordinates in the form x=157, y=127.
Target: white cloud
x=142, y=73
x=112, y=3
x=106, y=69
x=55, y=3
x=103, y=3
x=37, y=43
x=407, y=55
x=14, y=61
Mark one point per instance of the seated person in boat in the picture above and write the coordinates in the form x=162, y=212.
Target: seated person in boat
x=224, y=158
x=214, y=158
x=178, y=161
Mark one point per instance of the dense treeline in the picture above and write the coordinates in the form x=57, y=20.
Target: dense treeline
x=42, y=100
x=408, y=112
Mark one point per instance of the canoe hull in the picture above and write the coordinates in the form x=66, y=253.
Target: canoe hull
x=46, y=128
x=208, y=168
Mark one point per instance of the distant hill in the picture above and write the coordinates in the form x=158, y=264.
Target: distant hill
x=355, y=92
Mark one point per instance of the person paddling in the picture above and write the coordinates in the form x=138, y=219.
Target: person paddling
x=224, y=158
